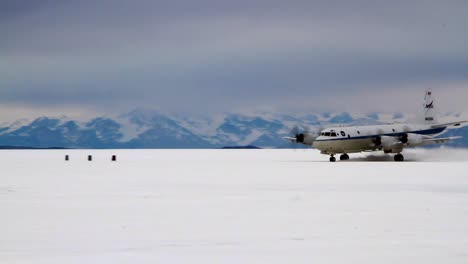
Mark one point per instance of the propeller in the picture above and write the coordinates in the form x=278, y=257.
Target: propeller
x=302, y=134
x=298, y=135
x=404, y=138
x=377, y=141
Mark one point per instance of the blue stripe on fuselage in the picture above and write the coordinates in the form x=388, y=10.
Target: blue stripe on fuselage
x=420, y=132
x=430, y=131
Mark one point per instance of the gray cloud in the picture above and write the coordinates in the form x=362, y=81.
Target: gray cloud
x=211, y=55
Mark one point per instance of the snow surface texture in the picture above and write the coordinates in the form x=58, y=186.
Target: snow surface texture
x=232, y=206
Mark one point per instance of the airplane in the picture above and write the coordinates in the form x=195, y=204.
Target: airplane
x=389, y=138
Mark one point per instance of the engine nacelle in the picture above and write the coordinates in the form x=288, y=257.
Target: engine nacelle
x=415, y=139
x=389, y=142
x=309, y=138
x=395, y=144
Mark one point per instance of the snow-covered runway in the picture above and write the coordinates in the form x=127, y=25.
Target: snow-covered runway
x=232, y=206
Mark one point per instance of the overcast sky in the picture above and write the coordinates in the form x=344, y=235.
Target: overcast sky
x=210, y=56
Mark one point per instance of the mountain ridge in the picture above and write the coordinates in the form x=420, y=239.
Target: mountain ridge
x=142, y=128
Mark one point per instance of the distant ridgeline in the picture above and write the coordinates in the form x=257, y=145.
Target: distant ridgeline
x=16, y=147
x=150, y=129
x=241, y=147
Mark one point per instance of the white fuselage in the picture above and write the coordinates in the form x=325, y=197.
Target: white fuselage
x=354, y=139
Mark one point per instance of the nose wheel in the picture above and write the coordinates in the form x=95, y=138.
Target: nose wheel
x=399, y=157
x=332, y=158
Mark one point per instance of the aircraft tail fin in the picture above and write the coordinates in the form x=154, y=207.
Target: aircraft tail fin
x=430, y=114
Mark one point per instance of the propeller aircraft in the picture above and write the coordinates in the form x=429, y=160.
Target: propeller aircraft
x=389, y=138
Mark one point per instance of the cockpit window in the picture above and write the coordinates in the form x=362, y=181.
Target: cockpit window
x=327, y=134
x=333, y=134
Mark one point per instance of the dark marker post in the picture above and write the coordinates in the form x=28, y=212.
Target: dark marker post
x=90, y=158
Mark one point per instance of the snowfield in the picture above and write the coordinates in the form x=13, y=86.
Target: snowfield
x=232, y=206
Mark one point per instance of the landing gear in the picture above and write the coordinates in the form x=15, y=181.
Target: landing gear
x=399, y=157
x=344, y=156
x=332, y=158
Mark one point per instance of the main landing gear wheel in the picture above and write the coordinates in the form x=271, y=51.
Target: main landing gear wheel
x=332, y=159
x=399, y=157
x=344, y=157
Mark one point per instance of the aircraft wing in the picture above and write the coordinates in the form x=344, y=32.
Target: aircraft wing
x=449, y=124
x=438, y=140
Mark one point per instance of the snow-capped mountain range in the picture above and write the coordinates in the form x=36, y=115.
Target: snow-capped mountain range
x=151, y=129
